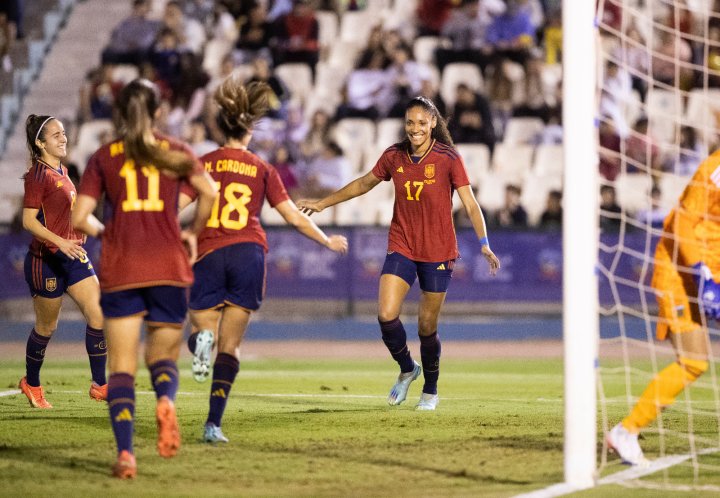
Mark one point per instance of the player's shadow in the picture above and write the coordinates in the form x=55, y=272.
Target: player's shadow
x=53, y=456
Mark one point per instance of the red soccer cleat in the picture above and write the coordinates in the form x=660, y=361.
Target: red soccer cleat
x=98, y=392
x=168, y=442
x=35, y=395
x=125, y=467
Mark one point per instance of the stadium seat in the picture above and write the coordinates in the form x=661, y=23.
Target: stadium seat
x=671, y=187
x=330, y=79
x=424, y=49
x=459, y=72
x=125, y=73
x=512, y=161
x=344, y=54
x=633, y=191
x=297, y=76
x=522, y=130
x=477, y=161
x=355, y=26
x=328, y=28
x=389, y=131
x=491, y=194
x=213, y=54
x=89, y=140
x=549, y=160
x=664, y=108
x=354, y=135
x=535, y=190
x=703, y=111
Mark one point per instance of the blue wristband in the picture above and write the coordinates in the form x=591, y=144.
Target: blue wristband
x=484, y=241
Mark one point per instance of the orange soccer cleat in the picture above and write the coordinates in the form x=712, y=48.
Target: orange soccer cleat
x=35, y=395
x=125, y=467
x=98, y=392
x=168, y=441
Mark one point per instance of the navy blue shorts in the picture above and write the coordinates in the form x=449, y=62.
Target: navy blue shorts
x=433, y=277
x=233, y=274
x=161, y=304
x=51, y=275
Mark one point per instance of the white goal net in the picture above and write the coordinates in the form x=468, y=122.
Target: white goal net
x=658, y=116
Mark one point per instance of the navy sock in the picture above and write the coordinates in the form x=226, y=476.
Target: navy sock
x=34, y=357
x=192, y=341
x=164, y=378
x=121, y=402
x=96, y=348
x=430, y=356
x=395, y=339
x=224, y=371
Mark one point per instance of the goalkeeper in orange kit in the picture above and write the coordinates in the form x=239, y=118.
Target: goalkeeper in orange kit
x=687, y=264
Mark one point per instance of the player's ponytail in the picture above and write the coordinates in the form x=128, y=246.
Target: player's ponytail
x=240, y=106
x=136, y=106
x=440, y=132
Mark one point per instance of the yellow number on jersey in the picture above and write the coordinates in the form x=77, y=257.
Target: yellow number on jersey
x=133, y=202
x=419, y=186
x=237, y=197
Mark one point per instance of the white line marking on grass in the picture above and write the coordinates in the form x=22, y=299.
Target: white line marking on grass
x=9, y=393
x=633, y=473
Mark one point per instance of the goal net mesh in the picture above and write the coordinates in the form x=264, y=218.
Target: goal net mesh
x=658, y=116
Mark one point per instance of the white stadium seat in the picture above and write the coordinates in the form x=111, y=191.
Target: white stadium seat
x=477, y=161
x=522, y=130
x=297, y=76
x=549, y=160
x=512, y=161
x=456, y=73
x=633, y=191
x=89, y=141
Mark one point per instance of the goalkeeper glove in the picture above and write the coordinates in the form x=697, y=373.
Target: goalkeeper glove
x=708, y=290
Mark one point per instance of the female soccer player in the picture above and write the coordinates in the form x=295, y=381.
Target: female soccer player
x=425, y=169
x=230, y=272
x=686, y=261
x=144, y=267
x=56, y=262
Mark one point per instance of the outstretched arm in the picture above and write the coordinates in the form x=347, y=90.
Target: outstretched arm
x=308, y=228
x=474, y=213
x=353, y=189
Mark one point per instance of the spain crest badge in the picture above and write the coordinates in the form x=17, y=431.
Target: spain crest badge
x=429, y=170
x=50, y=284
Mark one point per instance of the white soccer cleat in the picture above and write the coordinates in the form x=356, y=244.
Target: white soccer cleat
x=427, y=402
x=626, y=445
x=201, y=358
x=213, y=434
x=399, y=391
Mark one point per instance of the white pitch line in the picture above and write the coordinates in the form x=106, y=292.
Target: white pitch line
x=9, y=393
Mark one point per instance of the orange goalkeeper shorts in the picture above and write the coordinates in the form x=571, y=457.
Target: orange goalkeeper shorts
x=676, y=313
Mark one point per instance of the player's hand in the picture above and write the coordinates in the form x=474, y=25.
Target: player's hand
x=492, y=260
x=309, y=206
x=189, y=240
x=708, y=290
x=338, y=243
x=73, y=249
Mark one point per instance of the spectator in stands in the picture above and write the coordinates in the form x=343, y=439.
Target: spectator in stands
x=618, y=84
x=552, y=37
x=326, y=173
x=197, y=138
x=280, y=94
x=609, y=209
x=655, y=215
x=367, y=90
x=471, y=118
x=189, y=92
x=314, y=140
x=609, y=150
x=222, y=25
x=7, y=40
x=14, y=11
x=542, y=93
x=642, y=150
x=190, y=32
x=279, y=9
x=690, y=154
x=286, y=168
x=405, y=75
x=432, y=16
x=98, y=93
x=713, y=57
x=634, y=54
x=254, y=38
x=296, y=36
x=165, y=57
x=202, y=11
x=512, y=214
x=511, y=34
x=465, y=29
x=672, y=55
x=131, y=40
x=551, y=218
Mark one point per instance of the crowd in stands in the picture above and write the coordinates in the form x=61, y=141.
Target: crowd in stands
x=341, y=72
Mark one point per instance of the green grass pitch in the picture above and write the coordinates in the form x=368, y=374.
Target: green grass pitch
x=309, y=428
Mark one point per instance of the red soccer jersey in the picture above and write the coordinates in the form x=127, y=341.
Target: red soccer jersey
x=244, y=181
x=51, y=191
x=141, y=246
x=422, y=226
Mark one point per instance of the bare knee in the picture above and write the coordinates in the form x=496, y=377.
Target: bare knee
x=387, y=314
x=427, y=326
x=45, y=328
